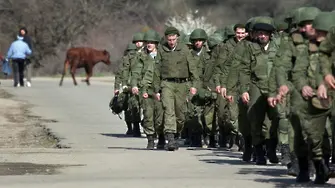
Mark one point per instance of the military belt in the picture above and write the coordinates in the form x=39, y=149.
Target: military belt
x=176, y=80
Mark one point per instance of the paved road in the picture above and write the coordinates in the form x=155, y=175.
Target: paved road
x=100, y=156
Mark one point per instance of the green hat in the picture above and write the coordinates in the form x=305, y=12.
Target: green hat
x=138, y=37
x=171, y=31
x=187, y=40
x=324, y=21
x=229, y=30
x=281, y=24
x=198, y=34
x=306, y=14
x=214, y=40
x=264, y=23
x=151, y=36
x=322, y=104
x=131, y=46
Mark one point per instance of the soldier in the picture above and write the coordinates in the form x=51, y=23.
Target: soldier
x=307, y=79
x=178, y=68
x=286, y=60
x=142, y=83
x=256, y=60
x=132, y=115
x=227, y=112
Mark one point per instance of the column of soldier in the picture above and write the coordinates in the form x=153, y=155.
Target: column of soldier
x=262, y=85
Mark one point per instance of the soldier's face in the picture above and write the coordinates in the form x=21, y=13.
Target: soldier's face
x=263, y=37
x=240, y=33
x=151, y=46
x=172, y=40
x=308, y=30
x=198, y=44
x=139, y=44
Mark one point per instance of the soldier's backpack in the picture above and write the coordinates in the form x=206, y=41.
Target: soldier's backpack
x=118, y=104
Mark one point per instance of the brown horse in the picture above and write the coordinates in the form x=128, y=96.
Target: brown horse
x=83, y=58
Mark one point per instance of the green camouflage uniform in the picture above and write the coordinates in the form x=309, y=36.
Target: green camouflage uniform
x=143, y=75
x=177, y=68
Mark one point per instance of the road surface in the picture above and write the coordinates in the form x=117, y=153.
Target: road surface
x=100, y=156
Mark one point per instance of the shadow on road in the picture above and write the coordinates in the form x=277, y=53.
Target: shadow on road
x=116, y=135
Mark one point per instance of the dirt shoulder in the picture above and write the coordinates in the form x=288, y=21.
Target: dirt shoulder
x=19, y=128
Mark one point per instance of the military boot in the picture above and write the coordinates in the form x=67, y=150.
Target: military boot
x=271, y=145
x=260, y=155
x=311, y=168
x=247, y=152
x=161, y=141
x=151, y=142
x=171, y=145
x=321, y=172
x=303, y=175
x=136, y=130
x=331, y=173
x=285, y=154
x=240, y=142
x=254, y=154
x=292, y=166
x=214, y=141
x=129, y=128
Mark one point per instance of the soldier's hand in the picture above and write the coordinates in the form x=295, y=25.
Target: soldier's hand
x=134, y=90
x=116, y=92
x=218, y=89
x=145, y=95
x=272, y=101
x=307, y=92
x=193, y=90
x=322, y=91
x=230, y=98
x=245, y=97
x=283, y=90
x=330, y=80
x=158, y=96
x=223, y=92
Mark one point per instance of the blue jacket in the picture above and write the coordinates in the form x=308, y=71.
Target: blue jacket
x=18, y=50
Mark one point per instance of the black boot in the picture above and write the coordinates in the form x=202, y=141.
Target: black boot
x=205, y=141
x=303, y=175
x=151, y=142
x=321, y=175
x=247, y=152
x=129, y=128
x=271, y=145
x=171, y=145
x=161, y=141
x=254, y=154
x=214, y=141
x=311, y=168
x=136, y=130
x=285, y=154
x=240, y=142
x=292, y=166
x=260, y=155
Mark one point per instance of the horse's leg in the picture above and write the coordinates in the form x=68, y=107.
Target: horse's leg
x=66, y=64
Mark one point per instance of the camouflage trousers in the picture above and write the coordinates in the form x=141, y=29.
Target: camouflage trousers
x=285, y=129
x=152, y=116
x=228, y=115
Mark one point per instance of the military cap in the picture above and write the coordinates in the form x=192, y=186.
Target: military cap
x=138, y=37
x=281, y=24
x=324, y=21
x=322, y=104
x=171, y=31
x=131, y=46
x=214, y=40
x=264, y=23
x=187, y=40
x=198, y=34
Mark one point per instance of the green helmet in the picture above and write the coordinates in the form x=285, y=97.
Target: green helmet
x=152, y=36
x=214, y=40
x=198, y=34
x=131, y=46
x=281, y=24
x=229, y=30
x=186, y=40
x=138, y=37
x=306, y=14
x=324, y=21
x=263, y=23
